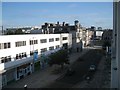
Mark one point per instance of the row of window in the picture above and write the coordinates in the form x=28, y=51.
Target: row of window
x=23, y=43
x=5, y=45
x=5, y=59
x=50, y=40
x=21, y=55
x=43, y=41
x=44, y=49
x=20, y=43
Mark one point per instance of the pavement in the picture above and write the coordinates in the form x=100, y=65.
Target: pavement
x=44, y=77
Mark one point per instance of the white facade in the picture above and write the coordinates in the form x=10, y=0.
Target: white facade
x=13, y=50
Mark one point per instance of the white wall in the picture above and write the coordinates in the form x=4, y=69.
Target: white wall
x=16, y=50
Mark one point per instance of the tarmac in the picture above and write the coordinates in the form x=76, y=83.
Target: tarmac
x=44, y=77
x=101, y=78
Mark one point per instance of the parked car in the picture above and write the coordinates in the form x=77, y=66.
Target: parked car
x=92, y=67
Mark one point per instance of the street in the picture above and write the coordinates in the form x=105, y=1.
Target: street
x=80, y=62
x=81, y=70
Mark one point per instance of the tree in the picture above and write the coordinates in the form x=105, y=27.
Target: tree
x=106, y=44
x=60, y=58
x=19, y=31
x=9, y=32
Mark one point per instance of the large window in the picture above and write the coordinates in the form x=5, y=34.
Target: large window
x=57, y=46
x=56, y=39
x=20, y=43
x=33, y=42
x=64, y=38
x=43, y=50
x=5, y=45
x=5, y=59
x=21, y=55
x=51, y=40
x=43, y=41
x=51, y=48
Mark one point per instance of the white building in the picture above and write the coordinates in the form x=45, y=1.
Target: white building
x=16, y=52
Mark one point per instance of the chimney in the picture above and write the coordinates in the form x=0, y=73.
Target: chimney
x=63, y=23
x=58, y=23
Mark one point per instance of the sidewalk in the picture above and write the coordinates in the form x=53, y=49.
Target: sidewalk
x=42, y=78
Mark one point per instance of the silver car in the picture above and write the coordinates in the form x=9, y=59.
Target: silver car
x=92, y=68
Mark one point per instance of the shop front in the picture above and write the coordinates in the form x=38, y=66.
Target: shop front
x=23, y=71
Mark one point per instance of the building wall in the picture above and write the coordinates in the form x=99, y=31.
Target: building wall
x=18, y=68
x=16, y=50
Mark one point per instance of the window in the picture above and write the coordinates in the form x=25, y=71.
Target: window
x=5, y=59
x=24, y=43
x=0, y=46
x=31, y=53
x=51, y=40
x=21, y=55
x=5, y=45
x=2, y=60
x=51, y=48
x=57, y=46
x=25, y=55
x=43, y=41
x=9, y=45
x=57, y=39
x=9, y=58
x=17, y=56
x=64, y=38
x=35, y=41
x=20, y=43
x=43, y=50
x=30, y=42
